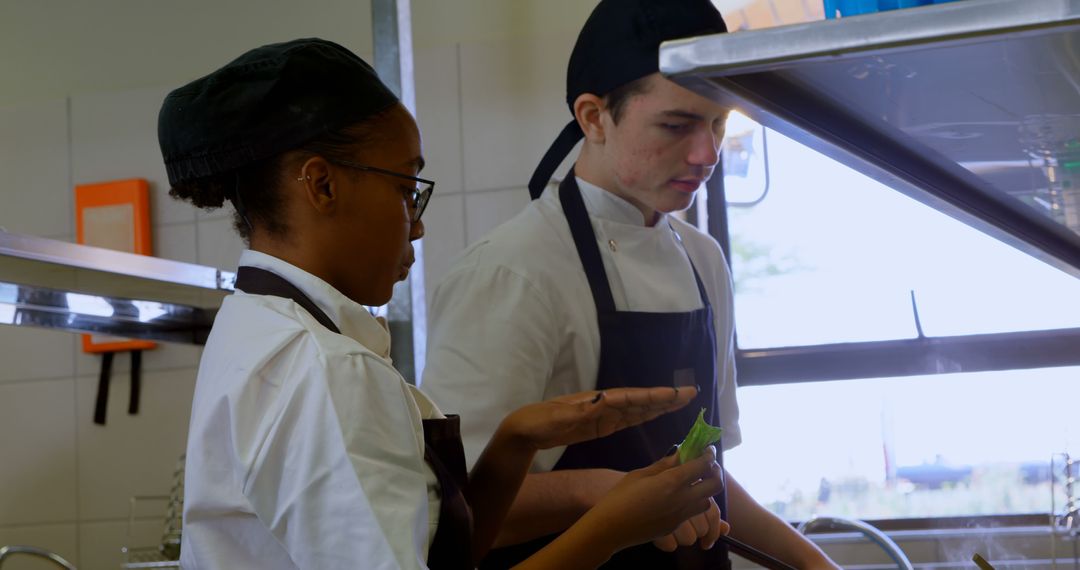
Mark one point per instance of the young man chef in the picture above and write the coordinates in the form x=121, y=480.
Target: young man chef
x=594, y=285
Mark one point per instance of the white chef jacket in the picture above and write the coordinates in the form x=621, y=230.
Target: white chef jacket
x=305, y=448
x=514, y=322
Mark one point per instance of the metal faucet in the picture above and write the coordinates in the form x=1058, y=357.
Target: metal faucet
x=876, y=536
x=6, y=551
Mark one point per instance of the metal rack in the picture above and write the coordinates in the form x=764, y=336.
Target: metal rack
x=165, y=554
x=1065, y=519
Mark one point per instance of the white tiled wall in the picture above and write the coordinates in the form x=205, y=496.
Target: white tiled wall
x=488, y=110
x=131, y=454
x=513, y=106
x=114, y=136
x=38, y=471
x=34, y=164
x=65, y=481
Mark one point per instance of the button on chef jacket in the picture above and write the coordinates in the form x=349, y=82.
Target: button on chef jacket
x=305, y=448
x=514, y=322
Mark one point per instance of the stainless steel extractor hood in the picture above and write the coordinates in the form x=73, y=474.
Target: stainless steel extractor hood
x=972, y=107
x=55, y=284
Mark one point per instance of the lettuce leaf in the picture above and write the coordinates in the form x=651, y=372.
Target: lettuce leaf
x=701, y=436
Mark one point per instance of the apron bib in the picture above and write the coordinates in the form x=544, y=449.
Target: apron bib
x=639, y=349
x=451, y=548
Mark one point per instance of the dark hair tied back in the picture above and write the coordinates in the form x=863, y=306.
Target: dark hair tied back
x=260, y=183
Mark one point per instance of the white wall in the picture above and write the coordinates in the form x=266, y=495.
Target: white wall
x=50, y=49
x=490, y=84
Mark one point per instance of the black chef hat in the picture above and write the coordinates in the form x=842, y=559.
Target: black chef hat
x=620, y=43
x=269, y=100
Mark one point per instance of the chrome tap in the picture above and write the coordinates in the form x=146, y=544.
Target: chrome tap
x=876, y=536
x=6, y=551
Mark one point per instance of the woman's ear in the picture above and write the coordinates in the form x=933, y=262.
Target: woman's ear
x=317, y=180
x=589, y=111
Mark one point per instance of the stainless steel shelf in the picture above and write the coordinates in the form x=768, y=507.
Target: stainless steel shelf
x=49, y=283
x=972, y=107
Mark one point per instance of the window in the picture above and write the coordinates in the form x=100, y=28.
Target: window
x=822, y=255
x=918, y=446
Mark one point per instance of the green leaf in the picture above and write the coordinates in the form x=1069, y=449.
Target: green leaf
x=701, y=436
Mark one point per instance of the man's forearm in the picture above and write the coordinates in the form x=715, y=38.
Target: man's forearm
x=550, y=502
x=753, y=524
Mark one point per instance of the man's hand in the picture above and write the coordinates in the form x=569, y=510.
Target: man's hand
x=704, y=529
x=590, y=415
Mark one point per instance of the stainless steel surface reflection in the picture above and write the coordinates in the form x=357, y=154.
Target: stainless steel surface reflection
x=970, y=107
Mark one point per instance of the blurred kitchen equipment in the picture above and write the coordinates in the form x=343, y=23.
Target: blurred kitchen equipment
x=167, y=553
x=876, y=536
x=1065, y=520
x=981, y=562
x=7, y=551
x=837, y=8
x=754, y=555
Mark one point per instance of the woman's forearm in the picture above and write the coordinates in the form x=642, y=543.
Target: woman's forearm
x=583, y=545
x=493, y=484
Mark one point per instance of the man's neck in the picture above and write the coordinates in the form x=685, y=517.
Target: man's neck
x=585, y=170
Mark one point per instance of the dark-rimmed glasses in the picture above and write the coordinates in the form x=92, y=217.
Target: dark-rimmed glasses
x=420, y=192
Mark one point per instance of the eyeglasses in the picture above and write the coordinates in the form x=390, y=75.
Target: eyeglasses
x=418, y=195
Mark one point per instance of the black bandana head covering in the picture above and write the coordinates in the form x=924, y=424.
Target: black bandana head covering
x=267, y=101
x=620, y=43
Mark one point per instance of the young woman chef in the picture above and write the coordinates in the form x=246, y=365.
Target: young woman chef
x=306, y=448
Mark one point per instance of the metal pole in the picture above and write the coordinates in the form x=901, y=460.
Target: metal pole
x=392, y=29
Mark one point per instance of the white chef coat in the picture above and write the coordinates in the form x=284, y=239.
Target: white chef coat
x=305, y=448
x=514, y=322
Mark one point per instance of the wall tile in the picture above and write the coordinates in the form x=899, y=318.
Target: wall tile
x=176, y=241
x=131, y=455
x=30, y=352
x=444, y=226
x=37, y=443
x=114, y=136
x=36, y=192
x=219, y=244
x=100, y=542
x=438, y=111
x=513, y=107
x=485, y=210
x=61, y=539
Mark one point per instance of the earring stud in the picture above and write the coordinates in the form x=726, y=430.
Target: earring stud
x=303, y=178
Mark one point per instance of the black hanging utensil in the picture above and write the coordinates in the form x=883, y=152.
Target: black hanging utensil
x=754, y=555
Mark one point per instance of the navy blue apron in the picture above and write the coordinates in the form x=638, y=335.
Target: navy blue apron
x=638, y=350
x=451, y=548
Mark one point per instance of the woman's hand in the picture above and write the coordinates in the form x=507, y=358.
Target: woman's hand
x=657, y=500
x=590, y=415
x=704, y=529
